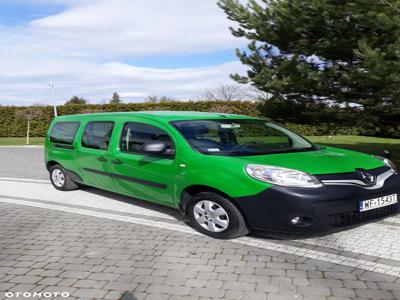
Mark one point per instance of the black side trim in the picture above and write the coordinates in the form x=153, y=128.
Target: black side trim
x=74, y=176
x=131, y=179
x=64, y=146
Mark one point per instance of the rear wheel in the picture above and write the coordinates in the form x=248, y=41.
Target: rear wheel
x=60, y=179
x=216, y=216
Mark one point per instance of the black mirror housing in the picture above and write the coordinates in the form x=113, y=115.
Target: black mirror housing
x=387, y=154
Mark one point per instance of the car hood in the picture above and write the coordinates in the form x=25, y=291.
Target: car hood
x=325, y=161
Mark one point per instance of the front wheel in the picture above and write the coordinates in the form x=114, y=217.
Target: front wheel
x=60, y=179
x=216, y=216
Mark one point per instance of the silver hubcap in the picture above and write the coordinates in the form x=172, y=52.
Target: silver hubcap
x=58, y=177
x=211, y=216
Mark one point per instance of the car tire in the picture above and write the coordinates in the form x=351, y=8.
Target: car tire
x=60, y=179
x=216, y=216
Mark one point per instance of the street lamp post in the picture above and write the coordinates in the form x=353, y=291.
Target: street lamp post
x=51, y=86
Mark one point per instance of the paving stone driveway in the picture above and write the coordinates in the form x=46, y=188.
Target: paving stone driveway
x=90, y=244
x=93, y=258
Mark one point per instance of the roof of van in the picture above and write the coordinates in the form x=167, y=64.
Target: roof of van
x=160, y=115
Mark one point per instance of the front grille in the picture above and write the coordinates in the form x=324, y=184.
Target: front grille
x=354, y=217
x=352, y=175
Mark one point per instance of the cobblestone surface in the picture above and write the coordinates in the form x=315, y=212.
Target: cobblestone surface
x=94, y=258
x=98, y=245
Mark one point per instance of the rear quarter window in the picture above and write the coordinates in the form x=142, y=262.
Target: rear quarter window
x=64, y=132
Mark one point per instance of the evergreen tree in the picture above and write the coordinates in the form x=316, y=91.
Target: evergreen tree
x=76, y=100
x=309, y=52
x=116, y=99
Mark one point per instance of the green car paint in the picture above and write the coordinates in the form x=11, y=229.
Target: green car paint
x=164, y=180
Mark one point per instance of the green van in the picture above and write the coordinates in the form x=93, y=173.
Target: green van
x=229, y=173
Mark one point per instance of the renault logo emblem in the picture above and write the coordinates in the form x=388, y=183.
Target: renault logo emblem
x=366, y=177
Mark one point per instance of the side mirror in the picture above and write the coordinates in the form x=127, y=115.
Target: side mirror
x=387, y=154
x=154, y=148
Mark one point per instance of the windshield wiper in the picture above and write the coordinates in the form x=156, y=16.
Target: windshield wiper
x=288, y=150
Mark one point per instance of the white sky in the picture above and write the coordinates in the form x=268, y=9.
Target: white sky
x=85, y=50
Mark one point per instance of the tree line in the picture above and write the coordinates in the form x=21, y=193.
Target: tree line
x=35, y=120
x=76, y=100
x=221, y=92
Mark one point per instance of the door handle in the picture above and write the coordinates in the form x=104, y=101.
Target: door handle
x=116, y=161
x=101, y=158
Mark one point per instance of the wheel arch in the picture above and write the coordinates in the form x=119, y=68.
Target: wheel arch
x=189, y=192
x=73, y=175
x=51, y=163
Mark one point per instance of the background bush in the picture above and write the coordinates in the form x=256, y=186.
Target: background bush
x=324, y=129
x=13, y=126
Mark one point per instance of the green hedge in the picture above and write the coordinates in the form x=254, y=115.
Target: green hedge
x=13, y=126
x=325, y=129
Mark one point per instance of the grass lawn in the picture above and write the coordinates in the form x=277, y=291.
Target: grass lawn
x=372, y=145
x=20, y=141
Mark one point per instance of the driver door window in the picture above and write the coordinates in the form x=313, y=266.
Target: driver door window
x=134, y=135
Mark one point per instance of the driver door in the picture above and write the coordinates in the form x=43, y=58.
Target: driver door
x=140, y=175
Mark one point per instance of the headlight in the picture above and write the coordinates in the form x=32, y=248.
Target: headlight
x=387, y=162
x=282, y=176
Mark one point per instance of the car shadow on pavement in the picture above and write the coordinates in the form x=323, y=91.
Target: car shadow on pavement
x=286, y=236
x=172, y=212
x=298, y=236
x=136, y=202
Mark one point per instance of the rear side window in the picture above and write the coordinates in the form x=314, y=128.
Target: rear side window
x=97, y=135
x=64, y=132
x=135, y=135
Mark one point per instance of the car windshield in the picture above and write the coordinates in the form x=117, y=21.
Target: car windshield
x=241, y=137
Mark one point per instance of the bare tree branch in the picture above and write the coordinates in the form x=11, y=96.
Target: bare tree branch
x=28, y=114
x=157, y=98
x=232, y=92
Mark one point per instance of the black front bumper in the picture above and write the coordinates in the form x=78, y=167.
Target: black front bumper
x=322, y=209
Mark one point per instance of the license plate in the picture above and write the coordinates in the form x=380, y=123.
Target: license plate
x=377, y=202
